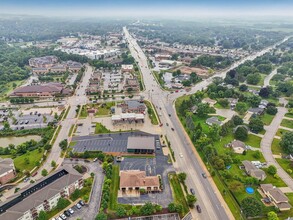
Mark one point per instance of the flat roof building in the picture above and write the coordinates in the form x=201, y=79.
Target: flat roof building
x=141, y=145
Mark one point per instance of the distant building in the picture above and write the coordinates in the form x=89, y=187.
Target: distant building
x=46, y=61
x=257, y=111
x=159, y=57
x=131, y=83
x=133, y=106
x=43, y=195
x=141, y=145
x=127, y=68
x=73, y=66
x=7, y=170
x=136, y=180
x=128, y=118
x=41, y=90
x=58, y=69
x=276, y=196
x=40, y=70
x=214, y=121
x=253, y=171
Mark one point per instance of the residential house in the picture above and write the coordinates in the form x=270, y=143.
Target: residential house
x=263, y=104
x=257, y=111
x=7, y=170
x=214, y=121
x=42, y=195
x=238, y=146
x=276, y=196
x=253, y=171
x=209, y=101
x=141, y=144
x=136, y=180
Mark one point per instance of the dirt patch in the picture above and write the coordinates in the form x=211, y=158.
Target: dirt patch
x=200, y=71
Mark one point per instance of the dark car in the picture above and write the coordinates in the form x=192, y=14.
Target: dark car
x=172, y=129
x=198, y=208
x=67, y=213
x=169, y=115
x=167, y=124
x=204, y=175
x=192, y=191
x=81, y=202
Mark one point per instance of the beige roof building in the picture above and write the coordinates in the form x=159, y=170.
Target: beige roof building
x=238, y=146
x=277, y=197
x=136, y=180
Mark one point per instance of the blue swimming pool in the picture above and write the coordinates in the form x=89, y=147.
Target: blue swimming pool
x=249, y=190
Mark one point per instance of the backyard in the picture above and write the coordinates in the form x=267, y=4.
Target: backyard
x=287, y=123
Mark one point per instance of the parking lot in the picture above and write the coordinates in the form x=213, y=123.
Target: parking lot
x=113, y=142
x=153, y=166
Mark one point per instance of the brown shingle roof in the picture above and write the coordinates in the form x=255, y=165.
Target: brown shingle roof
x=137, y=178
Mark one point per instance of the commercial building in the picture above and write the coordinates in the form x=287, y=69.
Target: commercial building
x=276, y=196
x=42, y=195
x=136, y=180
x=46, y=61
x=131, y=83
x=45, y=90
x=7, y=170
x=141, y=145
x=133, y=106
x=127, y=68
x=128, y=118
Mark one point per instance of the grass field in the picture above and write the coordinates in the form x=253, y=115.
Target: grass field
x=104, y=109
x=287, y=123
x=253, y=141
x=114, y=188
x=267, y=119
x=83, y=113
x=276, y=149
x=280, y=132
x=289, y=115
x=285, y=164
x=151, y=113
x=100, y=129
x=33, y=157
x=178, y=194
x=278, y=182
x=8, y=88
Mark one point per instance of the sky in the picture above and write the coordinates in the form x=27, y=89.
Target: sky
x=148, y=8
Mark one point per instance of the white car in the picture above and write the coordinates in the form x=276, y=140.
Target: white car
x=78, y=206
x=70, y=210
x=181, y=155
x=63, y=216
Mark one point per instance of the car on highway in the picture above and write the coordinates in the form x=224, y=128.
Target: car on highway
x=181, y=155
x=172, y=129
x=192, y=191
x=198, y=208
x=204, y=175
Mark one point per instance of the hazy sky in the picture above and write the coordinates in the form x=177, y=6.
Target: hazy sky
x=169, y=8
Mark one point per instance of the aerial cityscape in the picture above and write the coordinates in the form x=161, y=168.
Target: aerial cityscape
x=146, y=110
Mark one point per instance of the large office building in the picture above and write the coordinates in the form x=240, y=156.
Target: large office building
x=42, y=195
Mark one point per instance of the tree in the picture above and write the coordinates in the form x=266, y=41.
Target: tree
x=272, y=110
x=26, y=160
x=287, y=142
x=191, y=199
x=75, y=195
x=53, y=163
x=6, y=126
x=237, y=120
x=202, y=109
x=62, y=203
x=241, y=107
x=241, y=133
x=101, y=216
x=43, y=215
x=272, y=216
x=182, y=177
x=256, y=124
x=224, y=102
x=272, y=170
x=172, y=207
x=264, y=92
x=243, y=88
x=147, y=209
x=253, y=78
x=219, y=163
x=236, y=186
x=214, y=132
x=63, y=144
x=121, y=211
x=251, y=207
x=44, y=172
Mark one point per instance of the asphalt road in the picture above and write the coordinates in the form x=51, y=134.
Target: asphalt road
x=209, y=198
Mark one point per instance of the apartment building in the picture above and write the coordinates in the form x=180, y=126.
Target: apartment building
x=7, y=170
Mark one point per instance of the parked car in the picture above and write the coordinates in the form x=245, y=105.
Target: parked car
x=26, y=179
x=59, y=218
x=21, y=128
x=78, y=206
x=63, y=216
x=81, y=202
x=70, y=210
x=204, y=175
x=66, y=213
x=198, y=208
x=34, y=174
x=95, y=159
x=172, y=129
x=192, y=191
x=26, y=122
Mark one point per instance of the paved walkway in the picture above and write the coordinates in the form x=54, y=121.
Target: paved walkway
x=267, y=142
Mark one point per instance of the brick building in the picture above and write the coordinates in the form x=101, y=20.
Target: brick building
x=7, y=170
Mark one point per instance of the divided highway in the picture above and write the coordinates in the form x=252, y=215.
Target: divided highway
x=209, y=198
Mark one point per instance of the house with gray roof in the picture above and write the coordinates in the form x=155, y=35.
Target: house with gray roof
x=253, y=171
x=133, y=106
x=214, y=121
x=141, y=144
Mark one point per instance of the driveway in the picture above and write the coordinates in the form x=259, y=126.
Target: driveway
x=90, y=211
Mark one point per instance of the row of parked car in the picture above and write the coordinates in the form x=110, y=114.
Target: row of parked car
x=69, y=212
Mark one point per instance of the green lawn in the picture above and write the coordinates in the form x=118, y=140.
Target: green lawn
x=100, y=129
x=33, y=157
x=218, y=106
x=72, y=143
x=114, y=188
x=70, y=130
x=55, y=210
x=280, y=132
x=8, y=88
x=253, y=141
x=287, y=123
x=178, y=194
x=267, y=119
x=83, y=113
x=271, y=179
x=276, y=149
x=151, y=113
x=285, y=164
x=289, y=115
